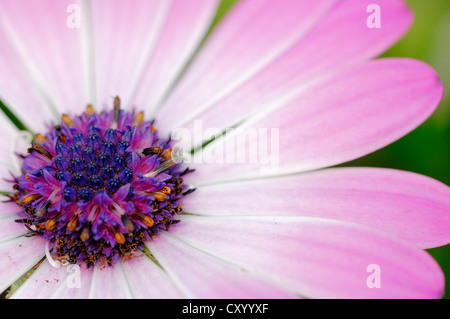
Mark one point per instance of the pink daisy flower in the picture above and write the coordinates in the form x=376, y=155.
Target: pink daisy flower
x=100, y=207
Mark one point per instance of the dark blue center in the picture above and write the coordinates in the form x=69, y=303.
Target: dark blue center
x=92, y=164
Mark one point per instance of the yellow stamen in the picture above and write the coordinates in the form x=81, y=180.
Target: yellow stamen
x=148, y=221
x=139, y=119
x=40, y=138
x=90, y=109
x=50, y=224
x=160, y=196
x=66, y=119
x=116, y=104
x=28, y=199
x=167, y=154
x=84, y=234
x=119, y=238
x=165, y=190
x=73, y=223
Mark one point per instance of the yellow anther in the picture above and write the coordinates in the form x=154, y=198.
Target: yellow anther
x=165, y=190
x=40, y=138
x=28, y=199
x=66, y=119
x=84, y=234
x=138, y=119
x=90, y=109
x=72, y=224
x=119, y=238
x=148, y=221
x=50, y=224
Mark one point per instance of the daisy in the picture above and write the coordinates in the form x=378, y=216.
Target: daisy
x=98, y=204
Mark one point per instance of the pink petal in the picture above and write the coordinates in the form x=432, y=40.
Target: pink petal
x=67, y=291
x=42, y=283
x=317, y=258
x=339, y=41
x=200, y=275
x=408, y=205
x=185, y=25
x=47, y=51
x=17, y=256
x=147, y=280
x=10, y=229
x=8, y=208
x=8, y=134
x=109, y=283
x=252, y=36
x=12, y=143
x=30, y=108
x=6, y=173
x=123, y=37
x=343, y=118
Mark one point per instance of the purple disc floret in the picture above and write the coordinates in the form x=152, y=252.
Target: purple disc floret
x=98, y=185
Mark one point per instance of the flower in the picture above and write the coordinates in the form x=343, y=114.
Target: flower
x=296, y=229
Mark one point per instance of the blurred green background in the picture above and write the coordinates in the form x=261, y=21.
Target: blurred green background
x=426, y=150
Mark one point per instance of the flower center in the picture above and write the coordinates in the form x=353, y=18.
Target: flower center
x=98, y=186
